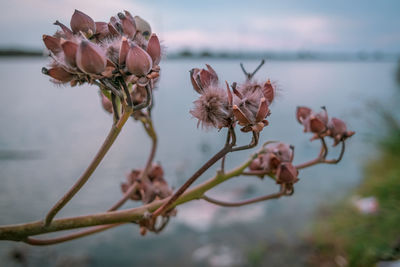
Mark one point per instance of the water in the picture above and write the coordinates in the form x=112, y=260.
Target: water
x=48, y=135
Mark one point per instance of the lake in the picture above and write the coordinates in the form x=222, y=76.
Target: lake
x=49, y=134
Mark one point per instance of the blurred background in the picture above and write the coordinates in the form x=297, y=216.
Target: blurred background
x=342, y=55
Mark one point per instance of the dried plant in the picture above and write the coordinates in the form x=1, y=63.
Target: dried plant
x=122, y=59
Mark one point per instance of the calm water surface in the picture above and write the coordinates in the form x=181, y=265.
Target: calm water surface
x=48, y=135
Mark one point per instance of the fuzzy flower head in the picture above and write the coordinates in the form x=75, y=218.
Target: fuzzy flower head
x=251, y=106
x=123, y=48
x=214, y=106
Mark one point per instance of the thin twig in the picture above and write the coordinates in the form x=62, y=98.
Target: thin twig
x=69, y=237
x=113, y=134
x=253, y=143
x=96, y=229
x=148, y=100
x=334, y=161
x=128, y=95
x=191, y=180
x=245, y=202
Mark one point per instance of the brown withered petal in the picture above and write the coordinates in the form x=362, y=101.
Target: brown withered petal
x=236, y=92
x=317, y=125
x=129, y=15
x=286, y=173
x=123, y=51
x=258, y=127
x=112, y=30
x=128, y=26
x=193, y=74
x=52, y=43
x=101, y=29
x=239, y=115
x=154, y=49
x=90, y=58
x=68, y=33
x=59, y=74
x=138, y=62
x=302, y=113
x=262, y=110
x=82, y=22
x=269, y=91
x=228, y=92
x=206, y=78
x=70, y=48
x=213, y=73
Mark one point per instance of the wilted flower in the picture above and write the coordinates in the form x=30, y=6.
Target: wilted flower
x=286, y=174
x=321, y=126
x=108, y=54
x=316, y=123
x=214, y=106
x=274, y=154
x=155, y=187
x=250, y=107
x=338, y=131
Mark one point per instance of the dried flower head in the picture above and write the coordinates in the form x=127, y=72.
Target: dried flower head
x=104, y=53
x=274, y=154
x=321, y=126
x=155, y=187
x=214, y=106
x=338, y=130
x=250, y=107
x=287, y=174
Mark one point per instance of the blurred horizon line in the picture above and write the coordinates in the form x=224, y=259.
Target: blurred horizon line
x=267, y=54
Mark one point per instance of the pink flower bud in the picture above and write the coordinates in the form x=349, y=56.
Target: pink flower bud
x=154, y=49
x=138, y=62
x=52, y=43
x=82, y=22
x=106, y=103
x=128, y=25
x=101, y=30
x=123, y=51
x=58, y=73
x=67, y=32
x=70, y=48
x=90, y=58
x=112, y=30
x=286, y=173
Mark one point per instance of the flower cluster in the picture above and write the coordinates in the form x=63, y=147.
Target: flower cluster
x=320, y=125
x=276, y=159
x=155, y=187
x=122, y=53
x=218, y=107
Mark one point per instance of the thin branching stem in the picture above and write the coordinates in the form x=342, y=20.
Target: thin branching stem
x=148, y=125
x=245, y=202
x=113, y=134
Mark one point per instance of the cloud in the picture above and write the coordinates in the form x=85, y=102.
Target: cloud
x=281, y=33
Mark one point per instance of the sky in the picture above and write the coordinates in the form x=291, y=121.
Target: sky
x=223, y=25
